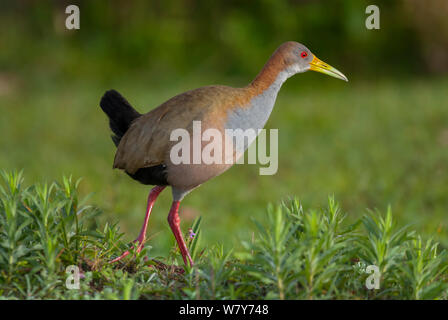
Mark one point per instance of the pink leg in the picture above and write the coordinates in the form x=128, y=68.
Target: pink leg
x=174, y=222
x=153, y=194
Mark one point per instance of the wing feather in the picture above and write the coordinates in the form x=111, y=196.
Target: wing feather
x=147, y=142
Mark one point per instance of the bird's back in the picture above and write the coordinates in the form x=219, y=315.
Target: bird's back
x=147, y=141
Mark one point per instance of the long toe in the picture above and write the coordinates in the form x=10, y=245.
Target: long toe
x=140, y=242
x=120, y=257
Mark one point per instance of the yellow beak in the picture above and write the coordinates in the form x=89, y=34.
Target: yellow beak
x=320, y=66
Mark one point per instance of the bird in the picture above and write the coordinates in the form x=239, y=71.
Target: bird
x=144, y=141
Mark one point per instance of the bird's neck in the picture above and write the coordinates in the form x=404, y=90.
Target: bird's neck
x=264, y=88
x=262, y=93
x=272, y=76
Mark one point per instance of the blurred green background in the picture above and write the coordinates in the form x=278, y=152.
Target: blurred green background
x=380, y=139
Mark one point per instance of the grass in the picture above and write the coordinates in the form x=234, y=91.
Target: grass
x=297, y=254
x=374, y=143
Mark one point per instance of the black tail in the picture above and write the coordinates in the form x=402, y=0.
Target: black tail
x=120, y=113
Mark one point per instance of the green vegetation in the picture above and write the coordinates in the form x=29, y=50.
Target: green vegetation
x=298, y=254
x=378, y=141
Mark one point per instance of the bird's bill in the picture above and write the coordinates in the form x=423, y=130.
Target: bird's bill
x=320, y=66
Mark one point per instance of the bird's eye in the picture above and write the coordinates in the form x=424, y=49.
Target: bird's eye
x=304, y=54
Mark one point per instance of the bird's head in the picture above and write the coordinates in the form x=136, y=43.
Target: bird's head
x=297, y=59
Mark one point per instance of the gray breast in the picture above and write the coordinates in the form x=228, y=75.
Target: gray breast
x=253, y=117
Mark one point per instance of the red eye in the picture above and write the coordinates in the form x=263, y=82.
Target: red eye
x=304, y=54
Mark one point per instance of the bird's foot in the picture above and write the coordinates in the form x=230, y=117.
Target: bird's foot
x=140, y=242
x=186, y=256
